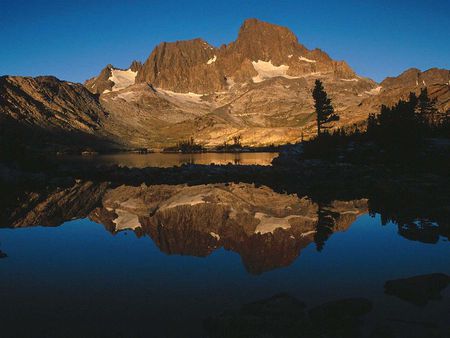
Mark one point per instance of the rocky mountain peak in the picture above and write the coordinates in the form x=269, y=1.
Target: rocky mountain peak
x=265, y=31
x=99, y=84
x=135, y=66
x=262, y=51
x=182, y=66
x=259, y=40
x=113, y=79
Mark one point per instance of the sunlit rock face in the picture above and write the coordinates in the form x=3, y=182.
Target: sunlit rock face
x=46, y=103
x=261, y=47
x=258, y=86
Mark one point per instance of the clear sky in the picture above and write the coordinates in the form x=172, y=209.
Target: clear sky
x=74, y=40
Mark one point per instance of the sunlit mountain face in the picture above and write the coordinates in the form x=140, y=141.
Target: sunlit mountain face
x=231, y=253
x=257, y=87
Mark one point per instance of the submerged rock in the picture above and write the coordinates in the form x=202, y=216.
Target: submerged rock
x=284, y=316
x=418, y=290
x=279, y=315
x=2, y=254
x=340, y=318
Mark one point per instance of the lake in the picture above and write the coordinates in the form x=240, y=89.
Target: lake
x=93, y=260
x=165, y=160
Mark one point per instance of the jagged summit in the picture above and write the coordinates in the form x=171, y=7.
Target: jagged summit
x=113, y=79
x=259, y=40
x=261, y=51
x=181, y=66
x=135, y=66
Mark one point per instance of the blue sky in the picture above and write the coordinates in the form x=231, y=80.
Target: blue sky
x=74, y=40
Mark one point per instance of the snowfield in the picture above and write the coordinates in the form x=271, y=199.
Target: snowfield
x=182, y=97
x=122, y=78
x=267, y=70
x=374, y=91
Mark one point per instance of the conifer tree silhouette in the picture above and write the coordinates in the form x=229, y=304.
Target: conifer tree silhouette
x=323, y=107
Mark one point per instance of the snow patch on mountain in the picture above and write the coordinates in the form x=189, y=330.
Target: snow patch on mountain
x=374, y=91
x=212, y=60
x=126, y=220
x=184, y=200
x=122, y=78
x=182, y=97
x=267, y=70
x=216, y=236
x=268, y=224
x=302, y=58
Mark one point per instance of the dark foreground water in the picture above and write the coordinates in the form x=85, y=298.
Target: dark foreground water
x=163, y=272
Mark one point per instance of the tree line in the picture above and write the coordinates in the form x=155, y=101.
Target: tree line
x=415, y=117
x=397, y=131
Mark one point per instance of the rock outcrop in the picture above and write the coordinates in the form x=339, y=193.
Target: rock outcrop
x=418, y=290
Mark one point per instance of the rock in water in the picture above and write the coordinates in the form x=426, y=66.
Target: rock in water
x=418, y=290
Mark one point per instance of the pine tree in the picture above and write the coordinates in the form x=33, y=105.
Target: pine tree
x=426, y=109
x=324, y=109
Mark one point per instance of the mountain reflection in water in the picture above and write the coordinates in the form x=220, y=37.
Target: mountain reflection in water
x=329, y=249
x=267, y=229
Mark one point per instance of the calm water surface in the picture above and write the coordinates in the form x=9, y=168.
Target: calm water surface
x=165, y=160
x=131, y=273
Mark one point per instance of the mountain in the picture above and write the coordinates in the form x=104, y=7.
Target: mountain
x=47, y=102
x=257, y=87
x=112, y=79
x=391, y=89
x=46, y=110
x=261, y=51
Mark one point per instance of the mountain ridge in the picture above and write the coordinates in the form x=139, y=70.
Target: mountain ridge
x=257, y=87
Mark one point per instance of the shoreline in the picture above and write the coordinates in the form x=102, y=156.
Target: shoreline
x=158, y=151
